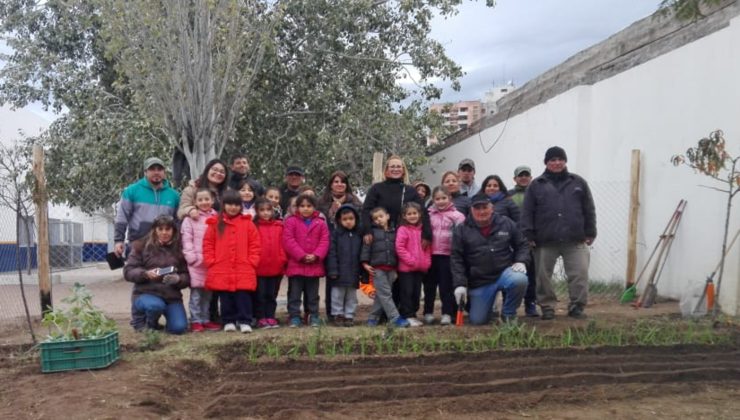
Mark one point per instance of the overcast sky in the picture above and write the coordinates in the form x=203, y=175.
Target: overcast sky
x=519, y=39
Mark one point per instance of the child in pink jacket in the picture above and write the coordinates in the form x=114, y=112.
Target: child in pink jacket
x=192, y=232
x=306, y=243
x=443, y=217
x=413, y=261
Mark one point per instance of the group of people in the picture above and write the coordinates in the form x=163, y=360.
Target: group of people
x=231, y=241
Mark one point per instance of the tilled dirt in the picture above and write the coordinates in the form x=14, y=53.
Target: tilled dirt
x=624, y=382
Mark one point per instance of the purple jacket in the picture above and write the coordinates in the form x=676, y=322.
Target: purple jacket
x=300, y=240
x=411, y=256
x=192, y=232
x=443, y=221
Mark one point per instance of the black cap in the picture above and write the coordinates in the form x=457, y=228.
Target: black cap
x=555, y=152
x=294, y=170
x=479, y=199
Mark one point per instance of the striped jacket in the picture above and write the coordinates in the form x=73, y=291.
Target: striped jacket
x=140, y=204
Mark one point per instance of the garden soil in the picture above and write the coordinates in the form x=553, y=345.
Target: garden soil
x=626, y=382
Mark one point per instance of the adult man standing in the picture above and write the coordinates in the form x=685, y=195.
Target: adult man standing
x=522, y=178
x=559, y=219
x=141, y=202
x=489, y=254
x=294, y=178
x=466, y=173
x=240, y=170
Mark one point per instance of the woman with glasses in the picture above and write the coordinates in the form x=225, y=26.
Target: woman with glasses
x=159, y=272
x=214, y=177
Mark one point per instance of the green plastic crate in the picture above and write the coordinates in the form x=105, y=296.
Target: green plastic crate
x=97, y=353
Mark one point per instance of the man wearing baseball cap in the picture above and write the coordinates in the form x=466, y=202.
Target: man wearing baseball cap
x=294, y=178
x=466, y=173
x=559, y=220
x=141, y=202
x=522, y=178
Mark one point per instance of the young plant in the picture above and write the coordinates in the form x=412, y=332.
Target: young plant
x=81, y=320
x=710, y=157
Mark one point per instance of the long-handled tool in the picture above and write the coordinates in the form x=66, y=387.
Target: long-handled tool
x=651, y=290
x=630, y=292
x=708, y=293
x=460, y=313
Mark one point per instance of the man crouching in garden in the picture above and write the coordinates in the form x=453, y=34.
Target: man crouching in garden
x=489, y=254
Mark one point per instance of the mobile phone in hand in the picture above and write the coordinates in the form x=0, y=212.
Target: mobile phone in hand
x=165, y=270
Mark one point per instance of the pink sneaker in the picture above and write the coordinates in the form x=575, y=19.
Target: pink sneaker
x=196, y=327
x=273, y=323
x=212, y=326
x=263, y=323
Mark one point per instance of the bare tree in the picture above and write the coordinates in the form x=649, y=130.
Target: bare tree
x=15, y=194
x=190, y=64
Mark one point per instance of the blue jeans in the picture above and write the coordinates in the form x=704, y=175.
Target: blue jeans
x=154, y=307
x=513, y=285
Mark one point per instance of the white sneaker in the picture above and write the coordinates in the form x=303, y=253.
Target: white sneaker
x=245, y=328
x=413, y=322
x=446, y=320
x=230, y=327
x=429, y=319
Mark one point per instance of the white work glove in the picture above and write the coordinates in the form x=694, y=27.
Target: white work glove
x=519, y=268
x=460, y=293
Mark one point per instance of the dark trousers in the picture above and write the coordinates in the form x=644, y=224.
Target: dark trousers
x=439, y=275
x=236, y=306
x=327, y=298
x=409, y=287
x=531, y=294
x=300, y=286
x=213, y=312
x=267, y=291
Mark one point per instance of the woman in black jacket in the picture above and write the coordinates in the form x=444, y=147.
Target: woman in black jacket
x=495, y=189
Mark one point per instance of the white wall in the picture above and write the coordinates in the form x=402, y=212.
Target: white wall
x=661, y=107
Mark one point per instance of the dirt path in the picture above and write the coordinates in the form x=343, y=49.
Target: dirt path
x=631, y=382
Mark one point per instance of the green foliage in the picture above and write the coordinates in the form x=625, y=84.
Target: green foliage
x=81, y=320
x=686, y=9
x=150, y=340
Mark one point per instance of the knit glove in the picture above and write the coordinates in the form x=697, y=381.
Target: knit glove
x=171, y=279
x=460, y=293
x=519, y=268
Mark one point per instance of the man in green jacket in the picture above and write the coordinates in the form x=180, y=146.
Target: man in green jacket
x=141, y=202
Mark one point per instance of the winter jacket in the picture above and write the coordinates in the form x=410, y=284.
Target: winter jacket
x=411, y=256
x=285, y=195
x=343, y=263
x=558, y=212
x=392, y=194
x=477, y=260
x=442, y=223
x=143, y=259
x=300, y=240
x=462, y=203
x=192, y=233
x=383, y=249
x=187, y=200
x=517, y=195
x=504, y=206
x=232, y=257
x=326, y=207
x=273, y=259
x=469, y=190
x=140, y=204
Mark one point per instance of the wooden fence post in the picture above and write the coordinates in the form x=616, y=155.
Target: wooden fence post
x=633, y=215
x=42, y=215
x=377, y=167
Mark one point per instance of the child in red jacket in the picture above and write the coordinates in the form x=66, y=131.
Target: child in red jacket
x=413, y=261
x=272, y=264
x=231, y=251
x=306, y=243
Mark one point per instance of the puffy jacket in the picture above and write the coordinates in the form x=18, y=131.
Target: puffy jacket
x=560, y=212
x=504, y=206
x=392, y=194
x=187, y=200
x=232, y=257
x=462, y=203
x=273, y=259
x=192, y=233
x=344, y=255
x=411, y=256
x=140, y=204
x=300, y=240
x=383, y=249
x=442, y=223
x=477, y=260
x=143, y=259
